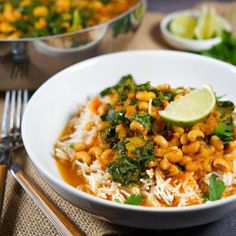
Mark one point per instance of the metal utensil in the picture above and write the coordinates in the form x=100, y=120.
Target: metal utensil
x=15, y=103
x=10, y=133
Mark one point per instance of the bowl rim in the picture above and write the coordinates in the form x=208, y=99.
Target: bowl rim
x=97, y=26
x=94, y=199
x=166, y=20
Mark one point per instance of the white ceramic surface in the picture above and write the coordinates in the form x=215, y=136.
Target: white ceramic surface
x=55, y=101
x=188, y=44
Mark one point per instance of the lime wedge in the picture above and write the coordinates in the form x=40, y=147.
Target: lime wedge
x=191, y=108
x=207, y=22
x=183, y=25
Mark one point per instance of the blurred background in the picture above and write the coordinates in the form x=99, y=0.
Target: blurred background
x=174, y=5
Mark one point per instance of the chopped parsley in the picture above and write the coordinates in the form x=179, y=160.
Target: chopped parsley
x=215, y=190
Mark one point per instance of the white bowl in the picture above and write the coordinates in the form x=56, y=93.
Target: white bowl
x=188, y=44
x=55, y=101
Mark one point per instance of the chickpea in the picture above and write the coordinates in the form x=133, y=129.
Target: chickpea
x=80, y=147
x=217, y=143
x=41, y=23
x=136, y=126
x=84, y=157
x=164, y=87
x=191, y=166
x=221, y=164
x=195, y=135
x=102, y=110
x=230, y=156
x=164, y=164
x=173, y=170
x=175, y=141
x=145, y=96
x=121, y=130
x=185, y=160
x=95, y=151
x=174, y=156
x=40, y=11
x=184, y=139
x=178, y=130
x=161, y=141
x=130, y=110
x=191, y=148
x=178, y=96
x=164, y=103
x=152, y=164
x=230, y=147
x=103, y=125
x=106, y=156
x=143, y=106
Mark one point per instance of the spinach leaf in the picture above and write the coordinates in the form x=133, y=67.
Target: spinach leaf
x=145, y=120
x=125, y=170
x=115, y=117
x=215, y=189
x=134, y=199
x=226, y=104
x=110, y=136
x=145, y=153
x=106, y=91
x=125, y=86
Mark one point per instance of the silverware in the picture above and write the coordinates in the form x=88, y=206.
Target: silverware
x=15, y=103
x=10, y=133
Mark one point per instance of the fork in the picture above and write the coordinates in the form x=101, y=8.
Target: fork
x=10, y=133
x=11, y=140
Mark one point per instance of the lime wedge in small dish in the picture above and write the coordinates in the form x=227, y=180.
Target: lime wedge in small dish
x=191, y=108
x=207, y=24
x=183, y=25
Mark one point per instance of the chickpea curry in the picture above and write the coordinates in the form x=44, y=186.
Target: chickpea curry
x=119, y=148
x=39, y=18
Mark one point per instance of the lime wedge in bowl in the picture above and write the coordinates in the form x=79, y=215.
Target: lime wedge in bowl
x=183, y=25
x=191, y=108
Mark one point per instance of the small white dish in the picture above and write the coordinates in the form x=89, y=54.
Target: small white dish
x=188, y=44
x=52, y=105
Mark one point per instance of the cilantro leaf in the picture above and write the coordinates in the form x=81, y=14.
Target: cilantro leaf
x=224, y=131
x=145, y=120
x=134, y=199
x=215, y=189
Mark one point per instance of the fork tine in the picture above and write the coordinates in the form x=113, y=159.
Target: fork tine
x=25, y=99
x=18, y=110
x=12, y=111
x=5, y=115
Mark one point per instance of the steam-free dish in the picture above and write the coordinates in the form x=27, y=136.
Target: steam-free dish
x=121, y=147
x=28, y=19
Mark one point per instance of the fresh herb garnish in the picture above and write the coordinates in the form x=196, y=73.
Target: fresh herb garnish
x=225, y=50
x=125, y=170
x=215, y=189
x=225, y=131
x=72, y=146
x=226, y=105
x=144, y=119
x=134, y=199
